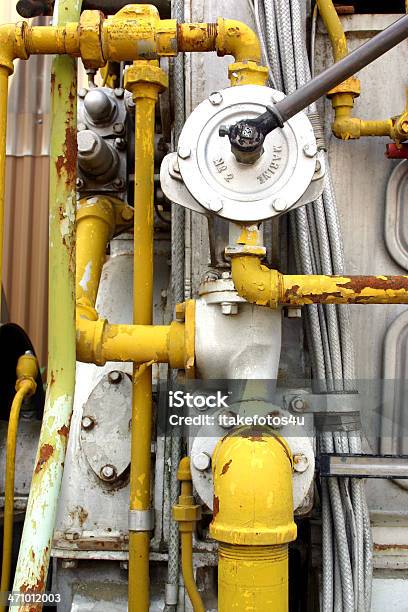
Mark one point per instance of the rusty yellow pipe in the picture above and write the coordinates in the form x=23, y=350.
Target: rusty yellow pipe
x=137, y=32
x=345, y=126
x=253, y=520
x=260, y=285
x=145, y=80
x=99, y=341
x=27, y=371
x=187, y=513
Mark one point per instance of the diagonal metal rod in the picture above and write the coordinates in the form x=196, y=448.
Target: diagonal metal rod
x=342, y=70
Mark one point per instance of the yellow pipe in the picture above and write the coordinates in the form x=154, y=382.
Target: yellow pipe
x=260, y=285
x=97, y=340
x=345, y=126
x=27, y=371
x=95, y=227
x=187, y=513
x=253, y=519
x=145, y=80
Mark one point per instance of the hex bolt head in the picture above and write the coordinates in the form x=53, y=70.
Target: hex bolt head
x=81, y=127
x=99, y=106
x=215, y=98
x=82, y=92
x=119, y=92
x=79, y=183
x=115, y=377
x=310, y=150
x=184, y=152
x=225, y=274
x=87, y=142
x=118, y=128
x=280, y=204
x=229, y=308
x=87, y=422
x=108, y=473
x=202, y=461
x=298, y=404
x=300, y=463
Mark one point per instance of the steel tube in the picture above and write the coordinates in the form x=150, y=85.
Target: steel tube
x=4, y=74
x=342, y=70
x=35, y=549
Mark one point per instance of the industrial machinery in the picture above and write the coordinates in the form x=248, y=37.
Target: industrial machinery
x=224, y=420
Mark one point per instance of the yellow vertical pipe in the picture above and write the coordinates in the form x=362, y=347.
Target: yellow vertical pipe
x=95, y=225
x=142, y=386
x=145, y=80
x=4, y=74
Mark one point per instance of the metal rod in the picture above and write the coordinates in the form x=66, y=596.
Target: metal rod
x=363, y=466
x=342, y=70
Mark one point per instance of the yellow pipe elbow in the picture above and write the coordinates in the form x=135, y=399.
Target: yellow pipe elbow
x=254, y=282
x=237, y=39
x=253, y=519
x=253, y=499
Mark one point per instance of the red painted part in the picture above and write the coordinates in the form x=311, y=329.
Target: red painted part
x=394, y=152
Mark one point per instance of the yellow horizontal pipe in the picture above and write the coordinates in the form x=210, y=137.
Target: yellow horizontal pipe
x=260, y=285
x=134, y=32
x=27, y=371
x=99, y=341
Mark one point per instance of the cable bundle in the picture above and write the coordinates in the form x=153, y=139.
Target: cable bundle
x=318, y=245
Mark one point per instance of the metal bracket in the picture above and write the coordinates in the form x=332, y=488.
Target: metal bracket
x=363, y=466
x=323, y=403
x=141, y=520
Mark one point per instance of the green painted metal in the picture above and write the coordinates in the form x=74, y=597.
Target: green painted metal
x=35, y=548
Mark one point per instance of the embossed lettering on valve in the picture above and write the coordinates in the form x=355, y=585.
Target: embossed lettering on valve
x=274, y=165
x=221, y=167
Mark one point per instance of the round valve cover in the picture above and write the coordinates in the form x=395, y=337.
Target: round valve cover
x=237, y=191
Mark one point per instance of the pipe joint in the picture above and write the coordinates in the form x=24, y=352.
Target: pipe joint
x=145, y=79
x=12, y=44
x=27, y=372
x=237, y=39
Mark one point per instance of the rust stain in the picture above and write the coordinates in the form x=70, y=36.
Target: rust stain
x=79, y=513
x=226, y=467
x=359, y=283
x=64, y=431
x=52, y=377
x=389, y=547
x=216, y=506
x=45, y=453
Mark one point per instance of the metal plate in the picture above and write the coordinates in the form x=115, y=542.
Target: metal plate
x=244, y=192
x=107, y=441
x=396, y=220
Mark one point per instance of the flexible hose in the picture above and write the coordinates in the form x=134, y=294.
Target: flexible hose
x=25, y=389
